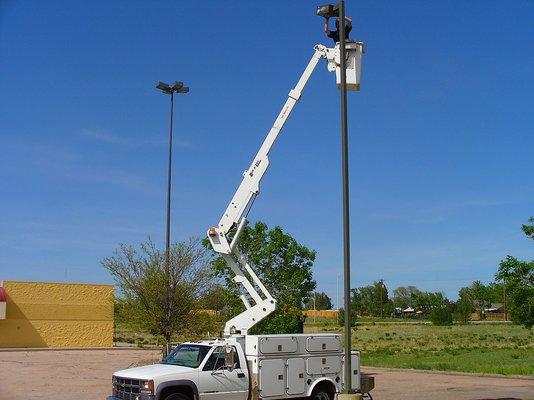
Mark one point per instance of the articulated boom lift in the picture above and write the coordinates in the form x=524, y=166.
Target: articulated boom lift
x=224, y=238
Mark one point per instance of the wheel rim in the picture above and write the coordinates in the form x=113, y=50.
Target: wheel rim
x=321, y=396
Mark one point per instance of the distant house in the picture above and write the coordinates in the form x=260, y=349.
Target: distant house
x=494, y=308
x=408, y=311
x=399, y=312
x=495, y=312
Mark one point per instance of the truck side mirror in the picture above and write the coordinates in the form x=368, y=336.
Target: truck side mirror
x=229, y=361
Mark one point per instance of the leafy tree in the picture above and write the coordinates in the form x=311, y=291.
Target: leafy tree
x=214, y=298
x=371, y=300
x=158, y=296
x=518, y=277
x=404, y=296
x=481, y=296
x=322, y=301
x=427, y=301
x=441, y=315
x=464, y=306
x=528, y=229
x=285, y=268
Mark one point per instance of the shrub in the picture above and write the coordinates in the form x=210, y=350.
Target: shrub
x=441, y=316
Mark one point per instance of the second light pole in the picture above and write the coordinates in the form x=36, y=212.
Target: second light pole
x=348, y=391
x=176, y=87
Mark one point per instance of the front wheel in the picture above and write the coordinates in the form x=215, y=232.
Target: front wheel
x=177, y=396
x=322, y=394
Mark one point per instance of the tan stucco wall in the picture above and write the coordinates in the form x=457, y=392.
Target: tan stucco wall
x=44, y=314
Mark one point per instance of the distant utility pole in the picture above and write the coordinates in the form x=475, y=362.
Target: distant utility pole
x=504, y=304
x=381, y=298
x=314, y=307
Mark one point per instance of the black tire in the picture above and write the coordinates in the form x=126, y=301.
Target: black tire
x=177, y=396
x=322, y=394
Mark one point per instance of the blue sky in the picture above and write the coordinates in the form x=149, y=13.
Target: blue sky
x=441, y=134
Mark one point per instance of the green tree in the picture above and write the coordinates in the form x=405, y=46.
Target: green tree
x=371, y=300
x=528, y=229
x=464, y=306
x=322, y=301
x=518, y=277
x=161, y=297
x=441, y=315
x=215, y=298
x=285, y=268
x=404, y=296
x=427, y=301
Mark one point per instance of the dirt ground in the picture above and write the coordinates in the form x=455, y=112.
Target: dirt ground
x=86, y=374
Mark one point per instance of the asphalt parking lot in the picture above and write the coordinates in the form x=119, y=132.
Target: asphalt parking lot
x=86, y=374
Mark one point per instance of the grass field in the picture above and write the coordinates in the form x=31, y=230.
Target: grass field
x=499, y=348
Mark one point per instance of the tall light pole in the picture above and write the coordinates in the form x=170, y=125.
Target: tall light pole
x=176, y=87
x=345, y=182
x=330, y=10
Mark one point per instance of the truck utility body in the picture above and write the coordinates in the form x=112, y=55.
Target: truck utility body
x=253, y=367
x=263, y=367
x=285, y=366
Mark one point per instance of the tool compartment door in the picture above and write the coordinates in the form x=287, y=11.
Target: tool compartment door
x=325, y=365
x=278, y=345
x=296, y=383
x=322, y=343
x=271, y=377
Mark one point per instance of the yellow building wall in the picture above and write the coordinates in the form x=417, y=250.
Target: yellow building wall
x=44, y=314
x=321, y=313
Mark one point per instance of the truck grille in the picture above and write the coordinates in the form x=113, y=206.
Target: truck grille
x=126, y=389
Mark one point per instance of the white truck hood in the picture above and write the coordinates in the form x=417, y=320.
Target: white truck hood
x=155, y=371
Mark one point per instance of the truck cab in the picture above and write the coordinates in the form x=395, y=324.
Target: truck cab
x=207, y=370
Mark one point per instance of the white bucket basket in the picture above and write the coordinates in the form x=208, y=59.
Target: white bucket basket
x=354, y=51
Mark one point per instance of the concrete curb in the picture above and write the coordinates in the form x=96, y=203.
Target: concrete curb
x=454, y=373
x=21, y=349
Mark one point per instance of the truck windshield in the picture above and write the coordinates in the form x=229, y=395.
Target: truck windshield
x=187, y=355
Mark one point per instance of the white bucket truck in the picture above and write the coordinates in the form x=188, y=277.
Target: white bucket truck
x=242, y=366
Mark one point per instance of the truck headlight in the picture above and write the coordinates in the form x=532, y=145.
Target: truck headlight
x=147, y=387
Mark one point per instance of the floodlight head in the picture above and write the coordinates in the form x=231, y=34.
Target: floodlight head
x=176, y=86
x=164, y=87
x=183, y=89
x=328, y=10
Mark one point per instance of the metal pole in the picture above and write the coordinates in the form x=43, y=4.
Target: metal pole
x=382, y=298
x=168, y=228
x=345, y=172
x=314, y=308
x=169, y=180
x=337, y=298
x=504, y=288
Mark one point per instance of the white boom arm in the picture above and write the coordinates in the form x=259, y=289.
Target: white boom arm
x=235, y=214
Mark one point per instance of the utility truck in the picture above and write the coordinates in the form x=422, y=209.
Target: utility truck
x=241, y=366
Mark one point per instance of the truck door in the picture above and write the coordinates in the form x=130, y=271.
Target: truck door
x=218, y=383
